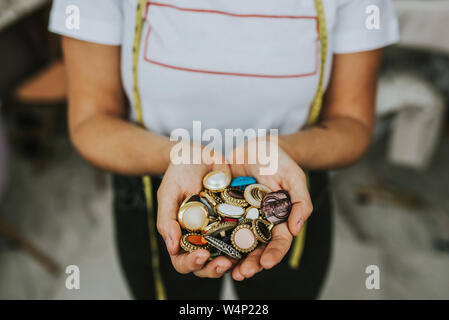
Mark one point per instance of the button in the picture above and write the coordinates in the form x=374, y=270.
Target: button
x=223, y=247
x=219, y=228
x=229, y=211
x=209, y=207
x=252, y=213
x=254, y=194
x=212, y=198
x=216, y=181
x=242, y=182
x=196, y=239
x=191, y=197
x=276, y=206
x=243, y=238
x=188, y=246
x=262, y=230
x=246, y=221
x=234, y=196
x=193, y=216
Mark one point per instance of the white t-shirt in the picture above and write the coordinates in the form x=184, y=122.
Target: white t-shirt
x=228, y=63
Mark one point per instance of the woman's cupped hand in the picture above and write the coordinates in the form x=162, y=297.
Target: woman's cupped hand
x=182, y=179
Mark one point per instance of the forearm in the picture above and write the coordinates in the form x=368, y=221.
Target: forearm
x=332, y=144
x=116, y=145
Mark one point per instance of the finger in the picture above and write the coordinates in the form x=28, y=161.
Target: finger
x=237, y=156
x=246, y=152
x=167, y=223
x=302, y=207
x=271, y=182
x=251, y=265
x=278, y=247
x=215, y=268
x=239, y=170
x=236, y=275
x=190, y=262
x=301, y=211
x=210, y=157
x=222, y=167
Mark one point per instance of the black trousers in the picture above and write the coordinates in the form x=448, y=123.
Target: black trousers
x=281, y=282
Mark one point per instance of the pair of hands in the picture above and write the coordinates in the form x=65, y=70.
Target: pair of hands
x=180, y=180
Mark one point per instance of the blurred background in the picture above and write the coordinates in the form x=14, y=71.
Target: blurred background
x=391, y=209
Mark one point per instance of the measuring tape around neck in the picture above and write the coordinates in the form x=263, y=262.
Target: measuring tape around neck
x=314, y=113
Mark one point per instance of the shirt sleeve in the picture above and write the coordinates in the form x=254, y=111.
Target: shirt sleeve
x=363, y=25
x=98, y=21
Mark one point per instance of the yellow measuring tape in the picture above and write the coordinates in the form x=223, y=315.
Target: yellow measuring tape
x=314, y=114
x=148, y=187
x=315, y=110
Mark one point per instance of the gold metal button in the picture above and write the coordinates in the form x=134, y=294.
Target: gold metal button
x=254, y=194
x=216, y=181
x=211, y=197
x=262, y=230
x=188, y=246
x=243, y=238
x=234, y=196
x=193, y=216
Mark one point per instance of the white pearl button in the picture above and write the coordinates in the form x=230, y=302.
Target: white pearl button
x=252, y=213
x=216, y=181
x=230, y=210
x=194, y=218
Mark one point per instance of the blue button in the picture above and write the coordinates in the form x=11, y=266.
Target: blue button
x=242, y=182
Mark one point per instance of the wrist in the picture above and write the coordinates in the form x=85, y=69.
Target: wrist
x=191, y=152
x=166, y=153
x=283, y=142
x=291, y=144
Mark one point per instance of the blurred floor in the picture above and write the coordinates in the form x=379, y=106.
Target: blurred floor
x=64, y=212
x=401, y=225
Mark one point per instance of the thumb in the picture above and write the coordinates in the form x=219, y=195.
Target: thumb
x=167, y=225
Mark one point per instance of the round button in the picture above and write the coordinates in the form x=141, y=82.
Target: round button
x=243, y=238
x=276, y=206
x=216, y=181
x=254, y=194
x=193, y=216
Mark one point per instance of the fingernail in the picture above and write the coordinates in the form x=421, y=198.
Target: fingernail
x=219, y=269
x=300, y=222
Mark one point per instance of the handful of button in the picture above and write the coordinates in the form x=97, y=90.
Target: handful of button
x=231, y=216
